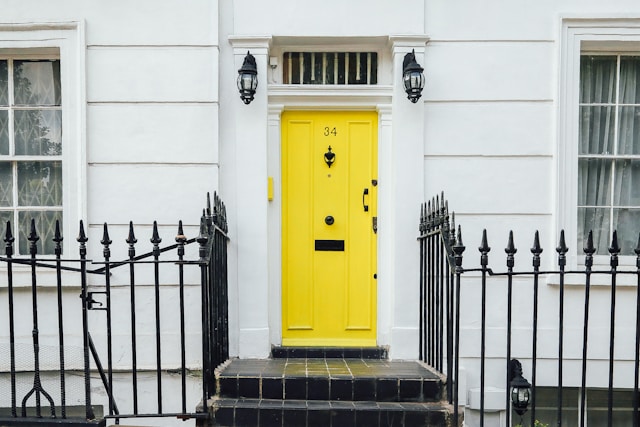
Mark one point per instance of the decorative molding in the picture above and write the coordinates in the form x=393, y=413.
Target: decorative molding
x=324, y=96
x=259, y=45
x=407, y=42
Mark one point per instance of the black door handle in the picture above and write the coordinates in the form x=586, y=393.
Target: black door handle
x=365, y=193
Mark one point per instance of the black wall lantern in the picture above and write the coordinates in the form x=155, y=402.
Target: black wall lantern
x=520, y=387
x=248, y=79
x=412, y=76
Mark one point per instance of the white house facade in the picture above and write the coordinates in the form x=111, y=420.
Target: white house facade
x=528, y=121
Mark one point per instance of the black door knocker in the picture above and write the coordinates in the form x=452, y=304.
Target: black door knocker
x=329, y=157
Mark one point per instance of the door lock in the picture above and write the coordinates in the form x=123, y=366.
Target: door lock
x=329, y=220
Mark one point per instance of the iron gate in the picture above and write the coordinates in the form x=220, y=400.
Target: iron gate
x=51, y=358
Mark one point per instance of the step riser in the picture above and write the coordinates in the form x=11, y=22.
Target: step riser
x=309, y=392
x=322, y=388
x=330, y=417
x=370, y=353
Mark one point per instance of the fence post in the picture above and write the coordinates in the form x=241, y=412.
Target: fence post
x=614, y=250
x=57, y=238
x=510, y=250
x=484, y=261
x=180, y=240
x=589, y=250
x=458, y=249
x=131, y=241
x=562, y=262
x=106, y=253
x=82, y=240
x=9, y=239
x=536, y=250
x=202, y=240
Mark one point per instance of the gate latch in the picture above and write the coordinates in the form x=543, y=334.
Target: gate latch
x=92, y=302
x=375, y=224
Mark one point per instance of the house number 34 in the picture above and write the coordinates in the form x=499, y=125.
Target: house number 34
x=328, y=131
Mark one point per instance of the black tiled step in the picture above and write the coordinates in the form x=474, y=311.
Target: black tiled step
x=329, y=379
x=300, y=413
x=330, y=352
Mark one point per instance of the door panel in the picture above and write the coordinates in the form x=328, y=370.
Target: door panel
x=329, y=166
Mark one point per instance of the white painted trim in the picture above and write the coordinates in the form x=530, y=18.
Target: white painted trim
x=274, y=210
x=578, y=34
x=256, y=44
x=312, y=97
x=408, y=40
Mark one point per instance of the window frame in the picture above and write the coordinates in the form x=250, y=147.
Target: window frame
x=580, y=36
x=65, y=41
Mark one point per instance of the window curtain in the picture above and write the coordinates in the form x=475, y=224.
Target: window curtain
x=609, y=187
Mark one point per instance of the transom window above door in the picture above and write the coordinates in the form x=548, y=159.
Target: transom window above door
x=330, y=68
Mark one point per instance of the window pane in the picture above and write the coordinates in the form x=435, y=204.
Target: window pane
x=629, y=75
x=45, y=227
x=596, y=220
x=38, y=132
x=596, y=131
x=597, y=79
x=627, y=183
x=4, y=83
x=4, y=132
x=4, y=217
x=37, y=82
x=6, y=184
x=629, y=130
x=597, y=403
x=594, y=182
x=40, y=184
x=627, y=222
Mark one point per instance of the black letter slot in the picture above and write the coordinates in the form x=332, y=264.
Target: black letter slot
x=330, y=245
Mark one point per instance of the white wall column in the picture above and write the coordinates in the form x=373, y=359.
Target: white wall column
x=275, y=224
x=251, y=197
x=407, y=190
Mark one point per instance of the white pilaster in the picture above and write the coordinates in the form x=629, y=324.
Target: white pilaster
x=275, y=224
x=251, y=195
x=407, y=191
x=385, y=224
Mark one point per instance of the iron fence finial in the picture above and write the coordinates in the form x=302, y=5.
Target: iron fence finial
x=614, y=250
x=484, y=249
x=57, y=238
x=536, y=250
x=510, y=250
x=131, y=240
x=155, y=239
x=33, y=238
x=562, y=250
x=8, y=239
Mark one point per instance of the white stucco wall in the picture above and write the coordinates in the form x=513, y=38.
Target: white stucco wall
x=148, y=138
x=492, y=134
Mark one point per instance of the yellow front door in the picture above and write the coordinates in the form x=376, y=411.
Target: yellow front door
x=329, y=173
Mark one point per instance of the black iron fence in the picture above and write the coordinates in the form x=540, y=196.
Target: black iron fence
x=137, y=308
x=446, y=285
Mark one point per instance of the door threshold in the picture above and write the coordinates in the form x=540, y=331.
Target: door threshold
x=304, y=352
